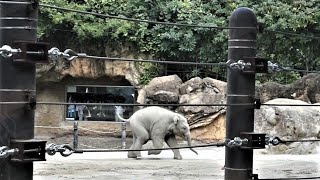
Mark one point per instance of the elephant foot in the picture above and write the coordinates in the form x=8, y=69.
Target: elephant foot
x=134, y=154
x=178, y=157
x=155, y=152
x=138, y=154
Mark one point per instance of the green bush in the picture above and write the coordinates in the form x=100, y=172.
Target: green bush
x=91, y=34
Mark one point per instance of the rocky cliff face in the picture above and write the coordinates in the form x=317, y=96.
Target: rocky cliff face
x=93, y=69
x=206, y=122
x=88, y=68
x=306, y=89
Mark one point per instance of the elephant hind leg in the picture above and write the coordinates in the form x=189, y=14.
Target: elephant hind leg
x=141, y=137
x=172, y=142
x=134, y=154
x=157, y=143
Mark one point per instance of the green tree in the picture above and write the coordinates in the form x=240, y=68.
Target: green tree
x=90, y=34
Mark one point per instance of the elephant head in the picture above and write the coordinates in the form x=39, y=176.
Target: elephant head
x=182, y=129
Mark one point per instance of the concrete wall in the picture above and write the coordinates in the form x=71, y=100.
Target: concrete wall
x=50, y=119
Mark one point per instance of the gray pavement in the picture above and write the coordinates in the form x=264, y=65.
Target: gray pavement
x=207, y=165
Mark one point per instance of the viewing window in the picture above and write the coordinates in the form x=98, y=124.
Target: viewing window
x=98, y=94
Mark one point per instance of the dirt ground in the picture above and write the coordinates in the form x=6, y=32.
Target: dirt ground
x=207, y=165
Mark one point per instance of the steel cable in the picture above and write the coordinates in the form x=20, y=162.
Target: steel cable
x=292, y=34
x=85, y=129
x=153, y=61
x=302, y=105
x=298, y=70
x=297, y=178
x=15, y=2
x=55, y=54
x=14, y=103
x=126, y=104
x=70, y=55
x=302, y=140
x=276, y=141
x=220, y=144
x=186, y=105
x=141, y=20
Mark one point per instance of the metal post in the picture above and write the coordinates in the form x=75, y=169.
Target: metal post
x=75, y=135
x=18, y=21
x=240, y=89
x=123, y=135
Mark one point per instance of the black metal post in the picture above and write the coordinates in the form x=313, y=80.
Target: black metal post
x=75, y=135
x=18, y=22
x=240, y=89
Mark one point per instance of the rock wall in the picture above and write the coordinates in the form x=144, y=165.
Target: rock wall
x=206, y=122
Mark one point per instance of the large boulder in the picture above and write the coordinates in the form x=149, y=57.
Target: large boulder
x=289, y=123
x=163, y=89
x=165, y=96
x=202, y=91
x=191, y=86
x=206, y=122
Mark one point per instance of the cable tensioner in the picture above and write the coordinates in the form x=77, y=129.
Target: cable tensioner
x=64, y=149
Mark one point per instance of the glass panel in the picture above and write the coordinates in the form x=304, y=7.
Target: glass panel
x=99, y=94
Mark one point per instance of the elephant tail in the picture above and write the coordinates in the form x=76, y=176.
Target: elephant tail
x=119, y=110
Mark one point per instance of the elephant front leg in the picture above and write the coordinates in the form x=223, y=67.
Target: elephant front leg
x=157, y=143
x=172, y=142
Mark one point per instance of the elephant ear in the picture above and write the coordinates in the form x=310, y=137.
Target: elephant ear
x=176, y=119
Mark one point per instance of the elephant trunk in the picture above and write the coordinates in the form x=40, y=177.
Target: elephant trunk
x=188, y=138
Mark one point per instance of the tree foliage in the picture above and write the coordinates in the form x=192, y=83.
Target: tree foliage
x=91, y=34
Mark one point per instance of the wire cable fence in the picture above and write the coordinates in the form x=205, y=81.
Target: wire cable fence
x=70, y=55
x=65, y=150
x=219, y=144
x=55, y=55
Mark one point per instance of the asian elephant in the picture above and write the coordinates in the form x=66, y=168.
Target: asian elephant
x=159, y=125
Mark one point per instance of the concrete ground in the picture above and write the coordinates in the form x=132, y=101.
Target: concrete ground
x=207, y=165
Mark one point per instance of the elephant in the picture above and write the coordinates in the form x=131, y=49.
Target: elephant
x=159, y=125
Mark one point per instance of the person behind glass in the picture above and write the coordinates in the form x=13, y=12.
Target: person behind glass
x=81, y=108
x=71, y=109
